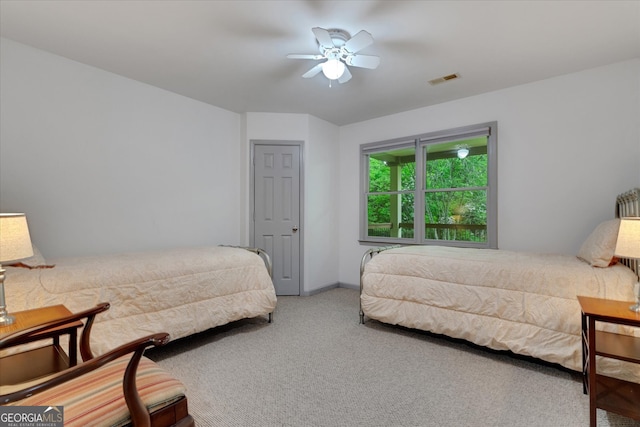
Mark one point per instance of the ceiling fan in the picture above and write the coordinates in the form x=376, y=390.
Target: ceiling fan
x=339, y=49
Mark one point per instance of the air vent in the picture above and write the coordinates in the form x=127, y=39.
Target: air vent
x=443, y=79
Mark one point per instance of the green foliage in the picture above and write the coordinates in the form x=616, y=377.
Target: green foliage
x=455, y=195
x=462, y=207
x=379, y=206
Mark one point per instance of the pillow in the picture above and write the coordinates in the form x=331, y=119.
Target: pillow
x=34, y=261
x=599, y=247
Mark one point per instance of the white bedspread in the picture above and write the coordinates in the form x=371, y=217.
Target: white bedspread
x=180, y=291
x=504, y=300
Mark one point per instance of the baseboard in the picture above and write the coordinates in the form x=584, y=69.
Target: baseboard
x=329, y=287
x=319, y=290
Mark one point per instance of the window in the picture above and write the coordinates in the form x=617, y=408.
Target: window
x=436, y=188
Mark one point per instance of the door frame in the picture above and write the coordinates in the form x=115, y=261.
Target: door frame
x=252, y=195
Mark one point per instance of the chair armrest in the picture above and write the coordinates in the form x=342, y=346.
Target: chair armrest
x=137, y=409
x=18, y=337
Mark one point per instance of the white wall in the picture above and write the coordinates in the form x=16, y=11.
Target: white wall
x=101, y=163
x=566, y=147
x=322, y=188
x=320, y=168
x=637, y=120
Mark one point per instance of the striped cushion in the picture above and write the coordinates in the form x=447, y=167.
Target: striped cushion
x=96, y=398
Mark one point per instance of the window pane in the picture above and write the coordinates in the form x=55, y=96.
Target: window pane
x=456, y=215
x=451, y=173
x=392, y=170
x=445, y=169
x=390, y=215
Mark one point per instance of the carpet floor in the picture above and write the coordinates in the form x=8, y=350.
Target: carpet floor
x=315, y=365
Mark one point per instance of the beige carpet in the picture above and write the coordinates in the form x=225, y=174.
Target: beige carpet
x=315, y=365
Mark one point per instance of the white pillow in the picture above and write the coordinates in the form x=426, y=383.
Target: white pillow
x=599, y=247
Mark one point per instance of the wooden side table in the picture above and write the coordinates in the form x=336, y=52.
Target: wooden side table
x=33, y=364
x=611, y=394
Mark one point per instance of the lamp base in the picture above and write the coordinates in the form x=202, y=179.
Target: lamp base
x=636, y=292
x=7, y=319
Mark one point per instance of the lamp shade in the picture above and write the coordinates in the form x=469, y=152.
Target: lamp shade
x=628, y=244
x=15, y=242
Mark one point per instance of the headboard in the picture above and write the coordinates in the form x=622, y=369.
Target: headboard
x=628, y=204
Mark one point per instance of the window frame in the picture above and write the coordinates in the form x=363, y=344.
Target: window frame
x=420, y=144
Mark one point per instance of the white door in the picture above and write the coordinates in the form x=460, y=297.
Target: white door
x=276, y=196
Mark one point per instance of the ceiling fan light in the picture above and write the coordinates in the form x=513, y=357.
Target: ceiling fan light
x=333, y=69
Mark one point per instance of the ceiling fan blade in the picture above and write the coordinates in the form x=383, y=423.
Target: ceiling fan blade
x=359, y=41
x=312, y=72
x=364, y=61
x=303, y=56
x=323, y=37
x=346, y=76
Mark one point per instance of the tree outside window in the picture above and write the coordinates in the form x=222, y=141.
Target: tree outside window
x=455, y=198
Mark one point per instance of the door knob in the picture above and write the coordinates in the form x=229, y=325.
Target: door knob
x=295, y=228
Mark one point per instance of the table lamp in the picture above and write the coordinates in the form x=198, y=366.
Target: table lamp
x=628, y=246
x=15, y=244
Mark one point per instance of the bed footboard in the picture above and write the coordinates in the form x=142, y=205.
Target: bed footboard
x=365, y=258
x=265, y=257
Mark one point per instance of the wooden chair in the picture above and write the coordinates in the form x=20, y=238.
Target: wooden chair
x=120, y=387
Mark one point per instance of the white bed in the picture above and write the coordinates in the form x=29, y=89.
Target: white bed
x=181, y=291
x=522, y=302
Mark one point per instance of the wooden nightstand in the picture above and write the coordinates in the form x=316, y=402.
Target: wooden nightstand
x=33, y=364
x=610, y=394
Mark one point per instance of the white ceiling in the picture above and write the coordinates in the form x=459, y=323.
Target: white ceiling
x=232, y=54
